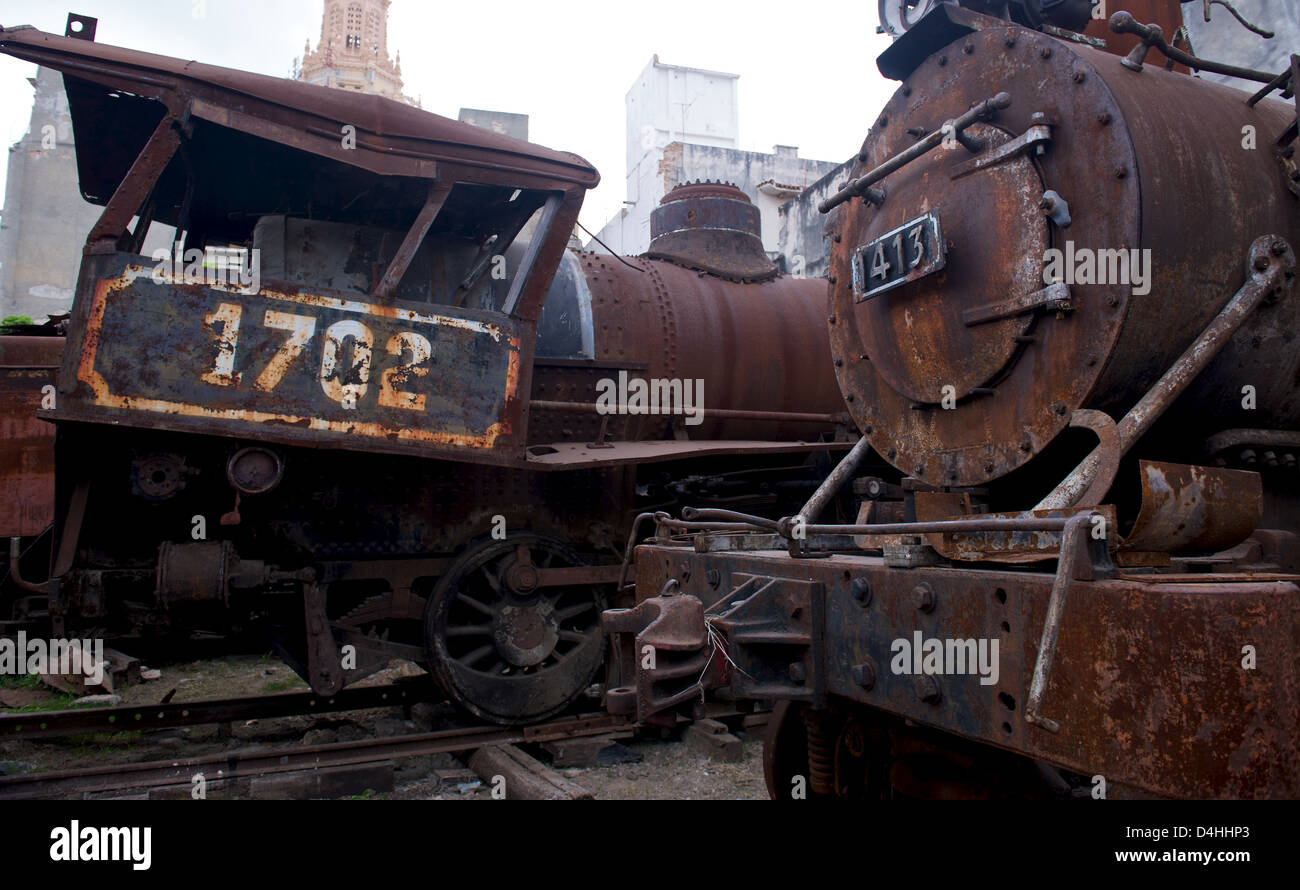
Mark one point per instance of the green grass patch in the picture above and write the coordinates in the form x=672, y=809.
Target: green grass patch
x=20, y=681
x=283, y=685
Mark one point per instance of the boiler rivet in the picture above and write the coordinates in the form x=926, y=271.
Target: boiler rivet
x=864, y=675
x=923, y=597
x=1104, y=118
x=926, y=689
x=1045, y=52
x=1121, y=171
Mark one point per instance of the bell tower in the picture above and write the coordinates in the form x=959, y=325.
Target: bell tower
x=352, y=53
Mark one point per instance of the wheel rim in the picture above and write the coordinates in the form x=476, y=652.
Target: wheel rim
x=504, y=647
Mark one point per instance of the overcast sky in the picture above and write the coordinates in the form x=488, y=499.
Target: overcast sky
x=568, y=66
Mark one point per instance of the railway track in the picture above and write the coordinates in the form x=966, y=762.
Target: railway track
x=51, y=724
x=222, y=769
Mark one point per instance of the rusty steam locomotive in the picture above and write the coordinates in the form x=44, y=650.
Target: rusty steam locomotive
x=376, y=426
x=1063, y=315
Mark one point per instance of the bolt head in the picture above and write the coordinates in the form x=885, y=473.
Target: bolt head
x=864, y=675
x=923, y=597
x=1278, y=247
x=926, y=688
x=861, y=590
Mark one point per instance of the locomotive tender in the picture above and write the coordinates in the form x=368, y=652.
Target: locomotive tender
x=1078, y=576
x=379, y=429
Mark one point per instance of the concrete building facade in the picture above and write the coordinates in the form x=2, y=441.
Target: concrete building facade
x=45, y=220
x=683, y=125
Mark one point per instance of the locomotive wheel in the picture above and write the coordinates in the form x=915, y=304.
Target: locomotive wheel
x=504, y=648
x=836, y=753
x=785, y=751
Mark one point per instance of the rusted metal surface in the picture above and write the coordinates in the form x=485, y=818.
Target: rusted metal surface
x=377, y=332
x=716, y=413
x=572, y=456
x=755, y=347
x=1139, y=685
x=1195, y=509
x=323, y=370
x=1007, y=546
x=28, y=365
x=1017, y=381
x=1270, y=261
x=392, y=137
x=1168, y=14
x=713, y=227
x=660, y=655
x=509, y=648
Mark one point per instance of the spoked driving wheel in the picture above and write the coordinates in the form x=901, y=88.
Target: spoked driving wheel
x=504, y=642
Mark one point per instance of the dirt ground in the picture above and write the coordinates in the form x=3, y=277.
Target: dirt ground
x=653, y=767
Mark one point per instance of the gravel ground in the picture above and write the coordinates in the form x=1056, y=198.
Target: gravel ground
x=667, y=769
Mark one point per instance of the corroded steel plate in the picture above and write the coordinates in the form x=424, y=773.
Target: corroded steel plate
x=281, y=363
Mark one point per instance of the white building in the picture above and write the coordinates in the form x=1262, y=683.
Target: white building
x=683, y=125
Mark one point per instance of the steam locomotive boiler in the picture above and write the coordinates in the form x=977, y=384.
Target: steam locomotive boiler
x=359, y=404
x=1063, y=316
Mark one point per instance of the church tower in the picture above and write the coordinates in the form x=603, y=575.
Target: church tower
x=353, y=51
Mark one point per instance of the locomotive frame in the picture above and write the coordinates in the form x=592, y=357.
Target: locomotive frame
x=329, y=451
x=1158, y=656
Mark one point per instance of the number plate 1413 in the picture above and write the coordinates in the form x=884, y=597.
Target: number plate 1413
x=911, y=251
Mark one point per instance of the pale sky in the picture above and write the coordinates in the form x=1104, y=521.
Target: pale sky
x=567, y=66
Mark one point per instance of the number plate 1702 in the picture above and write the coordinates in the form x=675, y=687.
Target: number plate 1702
x=911, y=251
